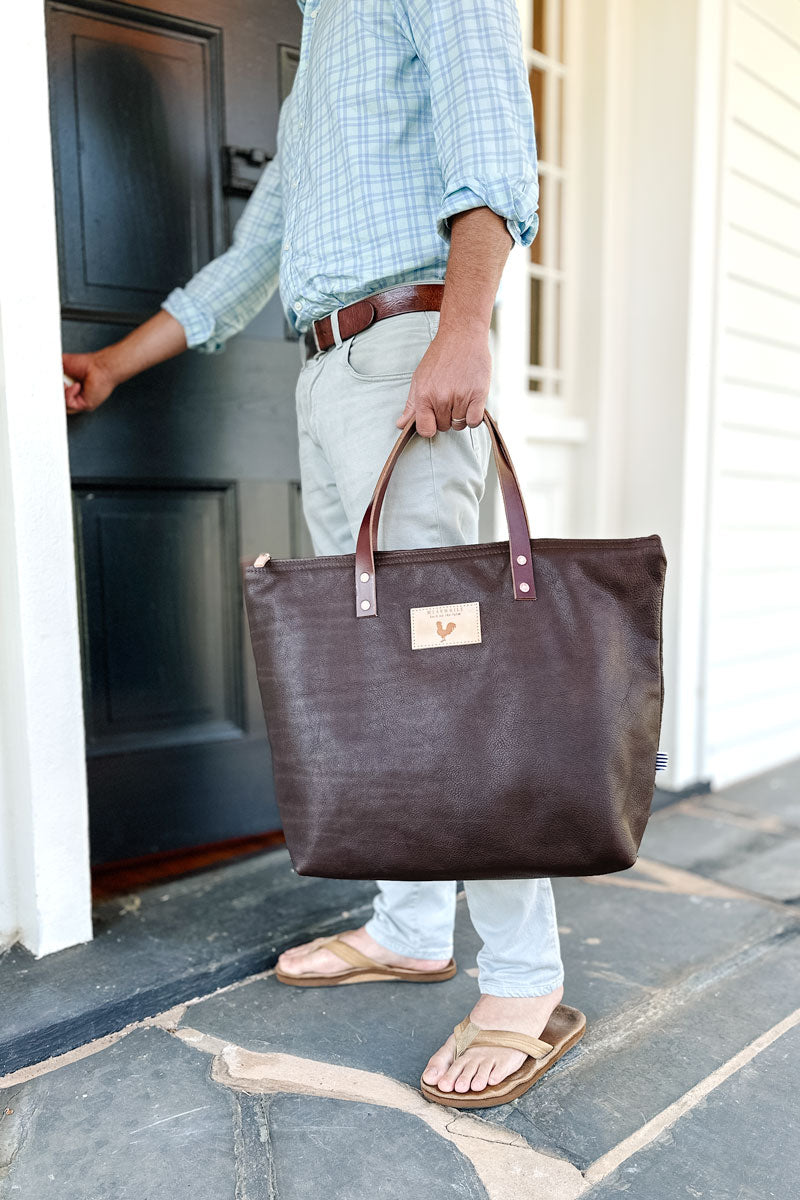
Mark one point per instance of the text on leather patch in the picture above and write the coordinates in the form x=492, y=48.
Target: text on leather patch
x=445, y=625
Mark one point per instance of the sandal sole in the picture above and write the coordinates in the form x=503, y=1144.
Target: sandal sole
x=366, y=977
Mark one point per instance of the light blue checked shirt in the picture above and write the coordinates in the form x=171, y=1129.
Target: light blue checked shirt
x=402, y=113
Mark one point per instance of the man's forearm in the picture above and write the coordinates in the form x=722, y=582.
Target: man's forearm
x=159, y=338
x=479, y=246
x=450, y=386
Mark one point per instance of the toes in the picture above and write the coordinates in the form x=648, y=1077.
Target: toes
x=465, y=1078
x=439, y=1063
x=497, y=1075
x=306, y=961
x=481, y=1076
x=299, y=951
x=448, y=1080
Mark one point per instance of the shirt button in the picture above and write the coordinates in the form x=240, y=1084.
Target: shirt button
x=314, y=13
x=297, y=306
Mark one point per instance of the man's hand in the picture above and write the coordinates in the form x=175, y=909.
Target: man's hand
x=96, y=375
x=93, y=381
x=451, y=384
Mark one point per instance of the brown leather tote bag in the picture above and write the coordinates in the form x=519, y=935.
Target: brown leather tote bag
x=469, y=712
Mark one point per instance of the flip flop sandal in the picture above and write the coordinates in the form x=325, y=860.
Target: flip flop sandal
x=363, y=969
x=565, y=1027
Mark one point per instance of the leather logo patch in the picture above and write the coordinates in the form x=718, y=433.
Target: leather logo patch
x=445, y=625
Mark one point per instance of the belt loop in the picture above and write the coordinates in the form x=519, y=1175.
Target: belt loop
x=337, y=337
x=316, y=336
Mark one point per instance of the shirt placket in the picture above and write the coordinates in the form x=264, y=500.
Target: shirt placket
x=295, y=157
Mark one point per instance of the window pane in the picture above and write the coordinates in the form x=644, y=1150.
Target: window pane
x=556, y=152
x=539, y=18
x=555, y=300
x=548, y=39
x=536, y=347
x=545, y=387
x=536, y=80
x=546, y=246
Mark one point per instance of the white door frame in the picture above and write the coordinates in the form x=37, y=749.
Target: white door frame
x=45, y=894
x=654, y=177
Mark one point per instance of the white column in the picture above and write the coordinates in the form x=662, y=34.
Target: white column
x=44, y=850
x=647, y=248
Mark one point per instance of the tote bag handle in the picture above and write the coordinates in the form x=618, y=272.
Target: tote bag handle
x=519, y=538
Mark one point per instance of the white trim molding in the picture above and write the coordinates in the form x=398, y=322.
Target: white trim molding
x=44, y=848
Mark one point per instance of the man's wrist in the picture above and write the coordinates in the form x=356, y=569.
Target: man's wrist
x=110, y=361
x=465, y=328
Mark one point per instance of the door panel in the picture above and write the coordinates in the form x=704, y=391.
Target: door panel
x=138, y=130
x=192, y=465
x=161, y=638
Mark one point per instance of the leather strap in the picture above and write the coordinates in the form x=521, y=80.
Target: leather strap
x=519, y=538
x=466, y=1034
x=349, y=954
x=353, y=318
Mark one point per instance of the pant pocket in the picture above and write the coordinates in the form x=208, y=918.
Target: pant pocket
x=389, y=349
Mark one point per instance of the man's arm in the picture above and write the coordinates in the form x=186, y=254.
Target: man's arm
x=217, y=302
x=452, y=380
x=96, y=375
x=483, y=128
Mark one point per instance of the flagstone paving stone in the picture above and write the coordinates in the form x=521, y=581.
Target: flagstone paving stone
x=631, y=1066
x=741, y=1143
x=141, y=1119
x=325, y=1147
x=160, y=946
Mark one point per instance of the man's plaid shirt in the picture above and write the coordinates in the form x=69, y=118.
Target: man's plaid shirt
x=402, y=113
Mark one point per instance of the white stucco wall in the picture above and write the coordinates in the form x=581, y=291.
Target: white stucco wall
x=44, y=872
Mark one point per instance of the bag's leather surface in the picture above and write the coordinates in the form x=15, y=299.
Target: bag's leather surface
x=529, y=753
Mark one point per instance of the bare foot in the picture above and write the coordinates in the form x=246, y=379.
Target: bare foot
x=480, y=1066
x=313, y=959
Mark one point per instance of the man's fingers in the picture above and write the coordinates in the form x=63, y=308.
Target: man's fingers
x=426, y=418
x=475, y=411
x=444, y=414
x=407, y=413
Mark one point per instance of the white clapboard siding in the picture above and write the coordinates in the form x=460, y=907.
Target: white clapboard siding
x=764, y=314
x=763, y=262
x=752, y=645
x=777, y=411
x=744, y=591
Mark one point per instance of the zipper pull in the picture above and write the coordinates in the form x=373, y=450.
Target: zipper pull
x=262, y=560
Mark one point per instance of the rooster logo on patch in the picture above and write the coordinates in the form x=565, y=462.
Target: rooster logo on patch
x=446, y=631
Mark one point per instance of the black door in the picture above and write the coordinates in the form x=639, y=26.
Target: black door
x=194, y=464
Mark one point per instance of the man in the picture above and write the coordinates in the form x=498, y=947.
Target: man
x=405, y=158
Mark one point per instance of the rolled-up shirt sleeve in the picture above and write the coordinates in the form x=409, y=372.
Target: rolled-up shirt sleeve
x=230, y=291
x=481, y=108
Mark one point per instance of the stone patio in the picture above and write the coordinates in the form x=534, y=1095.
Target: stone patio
x=687, y=967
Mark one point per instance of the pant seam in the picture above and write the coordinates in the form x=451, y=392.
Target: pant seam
x=435, y=493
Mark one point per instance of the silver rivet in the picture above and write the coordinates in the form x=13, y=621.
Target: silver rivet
x=523, y=587
x=521, y=559
x=365, y=603
x=364, y=577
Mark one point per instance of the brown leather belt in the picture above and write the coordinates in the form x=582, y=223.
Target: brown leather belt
x=406, y=297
